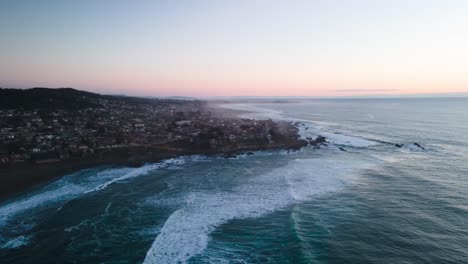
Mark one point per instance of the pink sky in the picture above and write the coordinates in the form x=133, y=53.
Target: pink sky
x=237, y=48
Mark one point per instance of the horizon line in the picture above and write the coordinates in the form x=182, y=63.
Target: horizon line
x=214, y=97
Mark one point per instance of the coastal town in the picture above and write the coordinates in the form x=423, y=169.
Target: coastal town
x=55, y=130
x=47, y=133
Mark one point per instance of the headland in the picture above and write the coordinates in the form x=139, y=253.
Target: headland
x=47, y=133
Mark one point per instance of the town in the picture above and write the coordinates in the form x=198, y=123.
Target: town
x=42, y=125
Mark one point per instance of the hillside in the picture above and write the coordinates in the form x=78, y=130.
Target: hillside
x=63, y=99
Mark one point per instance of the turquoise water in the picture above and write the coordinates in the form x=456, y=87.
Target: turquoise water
x=373, y=203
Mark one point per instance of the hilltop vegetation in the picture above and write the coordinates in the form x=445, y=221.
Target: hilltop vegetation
x=65, y=99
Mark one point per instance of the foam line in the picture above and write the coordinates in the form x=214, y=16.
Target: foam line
x=70, y=187
x=186, y=232
x=309, y=130
x=138, y=172
x=306, y=127
x=16, y=242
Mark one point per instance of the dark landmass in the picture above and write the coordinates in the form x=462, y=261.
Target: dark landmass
x=46, y=133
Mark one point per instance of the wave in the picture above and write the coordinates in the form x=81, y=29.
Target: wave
x=60, y=193
x=348, y=141
x=55, y=194
x=307, y=128
x=67, y=188
x=186, y=232
x=17, y=242
x=139, y=172
x=132, y=174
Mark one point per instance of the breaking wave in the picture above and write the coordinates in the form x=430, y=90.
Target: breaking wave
x=186, y=232
x=307, y=128
x=139, y=172
x=61, y=191
x=16, y=242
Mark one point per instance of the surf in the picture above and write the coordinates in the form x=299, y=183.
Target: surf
x=186, y=233
x=59, y=193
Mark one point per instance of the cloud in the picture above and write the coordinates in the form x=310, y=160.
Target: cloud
x=366, y=90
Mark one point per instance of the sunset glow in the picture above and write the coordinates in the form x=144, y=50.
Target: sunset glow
x=236, y=48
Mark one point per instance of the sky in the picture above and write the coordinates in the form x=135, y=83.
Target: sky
x=236, y=47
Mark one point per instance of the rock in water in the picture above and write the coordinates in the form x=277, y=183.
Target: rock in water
x=419, y=146
x=318, y=141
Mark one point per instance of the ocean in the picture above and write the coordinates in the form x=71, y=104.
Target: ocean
x=361, y=199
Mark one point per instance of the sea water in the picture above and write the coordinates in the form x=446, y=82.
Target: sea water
x=361, y=199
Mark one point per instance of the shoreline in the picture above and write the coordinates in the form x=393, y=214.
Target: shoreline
x=18, y=178
x=21, y=178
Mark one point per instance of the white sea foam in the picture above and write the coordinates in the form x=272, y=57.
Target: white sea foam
x=12, y=209
x=186, y=232
x=307, y=128
x=16, y=242
x=64, y=189
x=132, y=174
x=139, y=172
x=70, y=187
x=350, y=141
x=56, y=194
x=67, y=188
x=78, y=226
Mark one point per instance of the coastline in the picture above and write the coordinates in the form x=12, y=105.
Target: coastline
x=18, y=178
